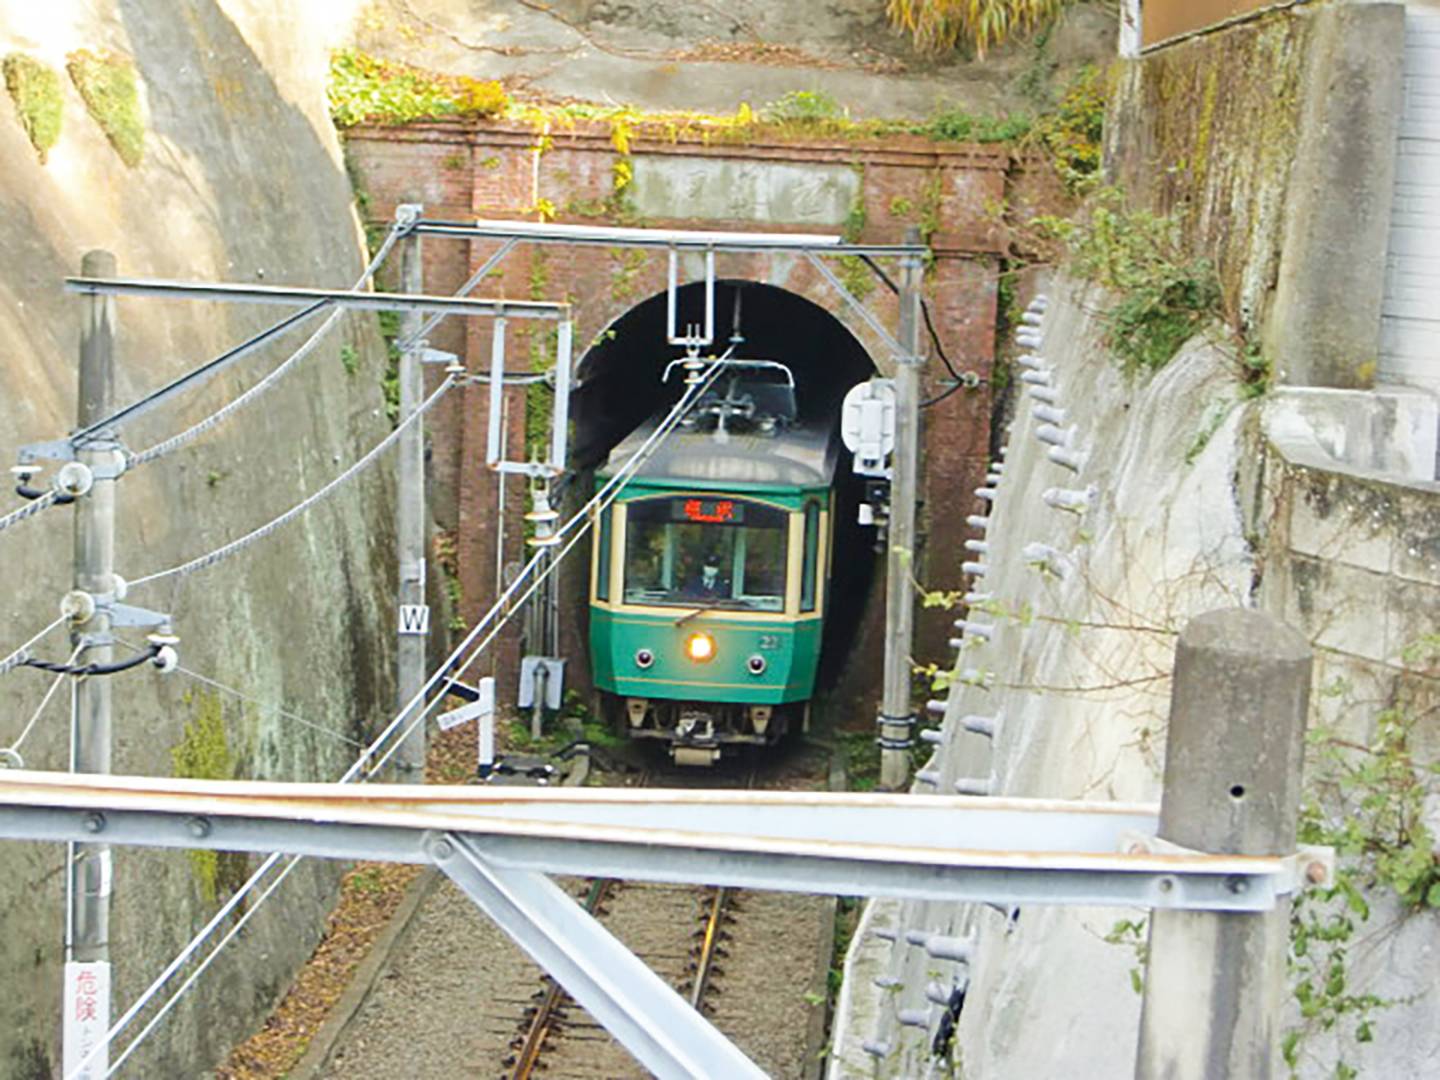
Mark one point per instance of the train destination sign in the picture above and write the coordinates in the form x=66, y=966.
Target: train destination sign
x=709, y=511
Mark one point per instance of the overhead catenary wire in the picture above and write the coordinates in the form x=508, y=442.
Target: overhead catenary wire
x=197, y=429
x=968, y=380
x=224, y=552
x=444, y=673
x=17, y=657
x=508, y=602
x=29, y=510
x=194, y=377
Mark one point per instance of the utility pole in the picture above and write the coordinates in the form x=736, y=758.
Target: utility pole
x=87, y=924
x=896, y=718
x=414, y=623
x=1215, y=981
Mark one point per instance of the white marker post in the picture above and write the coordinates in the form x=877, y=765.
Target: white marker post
x=482, y=709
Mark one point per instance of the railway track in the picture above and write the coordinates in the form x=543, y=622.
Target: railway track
x=455, y=999
x=556, y=1038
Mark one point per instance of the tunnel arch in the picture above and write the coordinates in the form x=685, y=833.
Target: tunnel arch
x=618, y=388
x=619, y=374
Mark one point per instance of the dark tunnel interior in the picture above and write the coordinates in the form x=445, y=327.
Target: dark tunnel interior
x=619, y=388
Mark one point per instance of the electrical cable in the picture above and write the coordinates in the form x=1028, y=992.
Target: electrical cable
x=968, y=381
x=18, y=656
x=443, y=673
x=279, y=710
x=220, y=554
x=150, y=652
x=164, y=447
x=13, y=750
x=164, y=1009
x=410, y=341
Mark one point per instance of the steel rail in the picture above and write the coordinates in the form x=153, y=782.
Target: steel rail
x=541, y=1024
x=705, y=962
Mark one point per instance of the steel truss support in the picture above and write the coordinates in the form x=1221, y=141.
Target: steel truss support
x=361, y=301
x=498, y=844
x=650, y=1019
x=679, y=239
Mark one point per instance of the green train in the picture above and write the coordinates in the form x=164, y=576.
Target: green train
x=709, y=572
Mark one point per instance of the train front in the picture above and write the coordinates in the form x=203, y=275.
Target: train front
x=708, y=588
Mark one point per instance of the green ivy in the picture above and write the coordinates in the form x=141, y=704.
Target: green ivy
x=958, y=125
x=389, y=325
x=1073, y=132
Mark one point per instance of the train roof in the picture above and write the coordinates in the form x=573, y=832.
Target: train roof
x=799, y=457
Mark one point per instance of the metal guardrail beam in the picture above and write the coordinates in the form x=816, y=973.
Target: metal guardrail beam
x=678, y=239
x=279, y=294
x=1003, y=850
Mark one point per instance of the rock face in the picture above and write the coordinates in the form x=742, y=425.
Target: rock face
x=711, y=57
x=240, y=179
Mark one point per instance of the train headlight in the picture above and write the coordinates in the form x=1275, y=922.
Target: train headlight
x=756, y=665
x=644, y=658
x=700, y=647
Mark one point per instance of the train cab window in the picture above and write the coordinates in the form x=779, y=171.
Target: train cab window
x=812, y=556
x=602, y=558
x=716, y=552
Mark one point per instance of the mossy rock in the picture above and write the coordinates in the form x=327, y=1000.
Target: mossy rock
x=35, y=89
x=111, y=92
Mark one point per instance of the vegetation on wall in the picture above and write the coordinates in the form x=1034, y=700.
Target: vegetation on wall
x=1072, y=134
x=364, y=89
x=35, y=89
x=978, y=25
x=1163, y=295
x=110, y=89
x=204, y=753
x=1366, y=798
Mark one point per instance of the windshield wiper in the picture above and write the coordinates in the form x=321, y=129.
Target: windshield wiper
x=728, y=603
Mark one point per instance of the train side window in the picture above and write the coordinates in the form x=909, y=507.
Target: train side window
x=602, y=563
x=812, y=556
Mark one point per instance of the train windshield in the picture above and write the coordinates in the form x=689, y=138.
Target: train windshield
x=701, y=550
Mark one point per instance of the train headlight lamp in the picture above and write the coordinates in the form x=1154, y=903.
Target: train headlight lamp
x=700, y=647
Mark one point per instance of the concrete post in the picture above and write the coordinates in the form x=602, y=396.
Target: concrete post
x=410, y=527
x=87, y=925
x=1214, y=982
x=897, y=719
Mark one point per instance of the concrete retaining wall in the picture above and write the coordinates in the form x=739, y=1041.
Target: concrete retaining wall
x=241, y=180
x=1201, y=499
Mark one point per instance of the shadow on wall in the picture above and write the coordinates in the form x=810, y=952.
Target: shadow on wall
x=212, y=98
